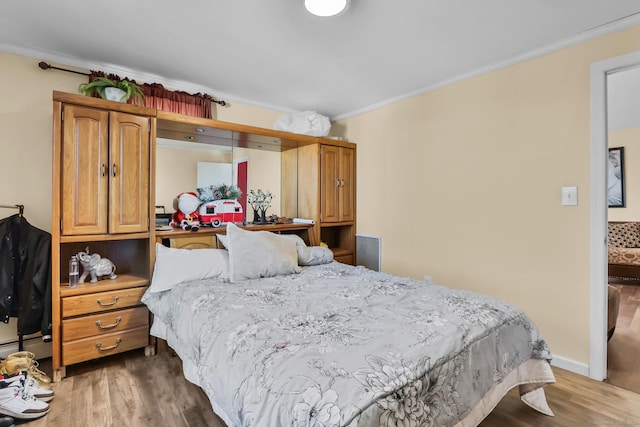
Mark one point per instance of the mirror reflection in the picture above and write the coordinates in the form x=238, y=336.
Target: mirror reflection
x=184, y=166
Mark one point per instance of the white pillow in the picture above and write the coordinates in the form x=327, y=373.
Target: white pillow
x=310, y=255
x=255, y=254
x=299, y=240
x=314, y=255
x=174, y=266
x=222, y=238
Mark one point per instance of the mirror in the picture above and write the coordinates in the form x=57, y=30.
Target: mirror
x=177, y=167
x=185, y=165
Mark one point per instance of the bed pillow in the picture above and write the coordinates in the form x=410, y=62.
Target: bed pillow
x=310, y=255
x=314, y=255
x=174, y=266
x=223, y=239
x=299, y=240
x=255, y=254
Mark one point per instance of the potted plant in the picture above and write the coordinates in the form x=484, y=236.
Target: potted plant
x=107, y=88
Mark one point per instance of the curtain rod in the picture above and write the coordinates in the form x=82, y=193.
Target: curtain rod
x=46, y=66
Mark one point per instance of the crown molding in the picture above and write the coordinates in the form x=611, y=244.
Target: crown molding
x=601, y=31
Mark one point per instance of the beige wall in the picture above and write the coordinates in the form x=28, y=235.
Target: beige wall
x=25, y=134
x=478, y=164
x=477, y=168
x=247, y=115
x=629, y=139
x=25, y=138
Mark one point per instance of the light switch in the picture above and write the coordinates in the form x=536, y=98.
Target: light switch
x=569, y=196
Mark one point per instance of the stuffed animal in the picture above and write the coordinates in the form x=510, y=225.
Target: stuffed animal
x=186, y=215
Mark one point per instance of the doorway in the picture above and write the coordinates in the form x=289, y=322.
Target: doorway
x=623, y=185
x=599, y=209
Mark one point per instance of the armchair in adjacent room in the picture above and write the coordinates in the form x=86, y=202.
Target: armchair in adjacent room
x=624, y=250
x=612, y=310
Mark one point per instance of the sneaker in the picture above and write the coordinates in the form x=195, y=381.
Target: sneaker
x=30, y=358
x=16, y=401
x=22, y=354
x=33, y=387
x=12, y=365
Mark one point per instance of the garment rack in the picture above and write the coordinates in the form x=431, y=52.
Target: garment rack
x=19, y=207
x=20, y=212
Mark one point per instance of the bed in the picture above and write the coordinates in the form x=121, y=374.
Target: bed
x=328, y=344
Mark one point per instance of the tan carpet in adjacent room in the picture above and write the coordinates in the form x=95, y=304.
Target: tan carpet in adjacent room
x=623, y=350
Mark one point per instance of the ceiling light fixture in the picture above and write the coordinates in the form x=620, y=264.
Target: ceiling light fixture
x=325, y=7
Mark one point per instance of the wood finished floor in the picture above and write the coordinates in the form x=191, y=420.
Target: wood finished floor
x=134, y=390
x=623, y=350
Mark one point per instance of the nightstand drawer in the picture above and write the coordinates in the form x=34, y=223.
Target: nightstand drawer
x=101, y=301
x=104, y=345
x=104, y=323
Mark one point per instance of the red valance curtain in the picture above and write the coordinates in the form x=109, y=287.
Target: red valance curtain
x=156, y=96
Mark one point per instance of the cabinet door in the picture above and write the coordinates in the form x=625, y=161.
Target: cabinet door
x=346, y=188
x=329, y=184
x=84, y=170
x=337, y=184
x=129, y=174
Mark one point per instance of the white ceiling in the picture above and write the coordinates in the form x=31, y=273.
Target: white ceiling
x=274, y=54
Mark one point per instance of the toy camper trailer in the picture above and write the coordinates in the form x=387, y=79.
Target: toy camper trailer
x=216, y=212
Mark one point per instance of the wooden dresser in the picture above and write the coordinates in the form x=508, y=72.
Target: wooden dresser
x=100, y=323
x=102, y=180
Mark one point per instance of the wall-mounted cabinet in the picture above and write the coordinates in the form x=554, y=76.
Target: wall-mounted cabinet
x=102, y=193
x=105, y=171
x=327, y=194
x=336, y=184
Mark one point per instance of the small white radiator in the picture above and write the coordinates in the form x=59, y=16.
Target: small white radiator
x=368, y=251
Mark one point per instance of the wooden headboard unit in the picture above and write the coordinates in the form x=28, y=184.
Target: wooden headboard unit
x=206, y=237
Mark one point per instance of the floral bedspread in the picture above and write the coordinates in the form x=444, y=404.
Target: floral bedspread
x=343, y=346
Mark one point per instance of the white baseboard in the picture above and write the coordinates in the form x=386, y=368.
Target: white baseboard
x=41, y=349
x=570, y=365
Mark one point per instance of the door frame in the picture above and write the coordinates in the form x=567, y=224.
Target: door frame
x=599, y=210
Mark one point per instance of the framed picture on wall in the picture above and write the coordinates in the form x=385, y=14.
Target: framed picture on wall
x=615, y=178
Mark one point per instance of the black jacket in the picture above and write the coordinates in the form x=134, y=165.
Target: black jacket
x=25, y=275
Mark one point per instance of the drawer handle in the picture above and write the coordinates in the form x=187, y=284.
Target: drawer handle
x=115, y=300
x=113, y=325
x=101, y=348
